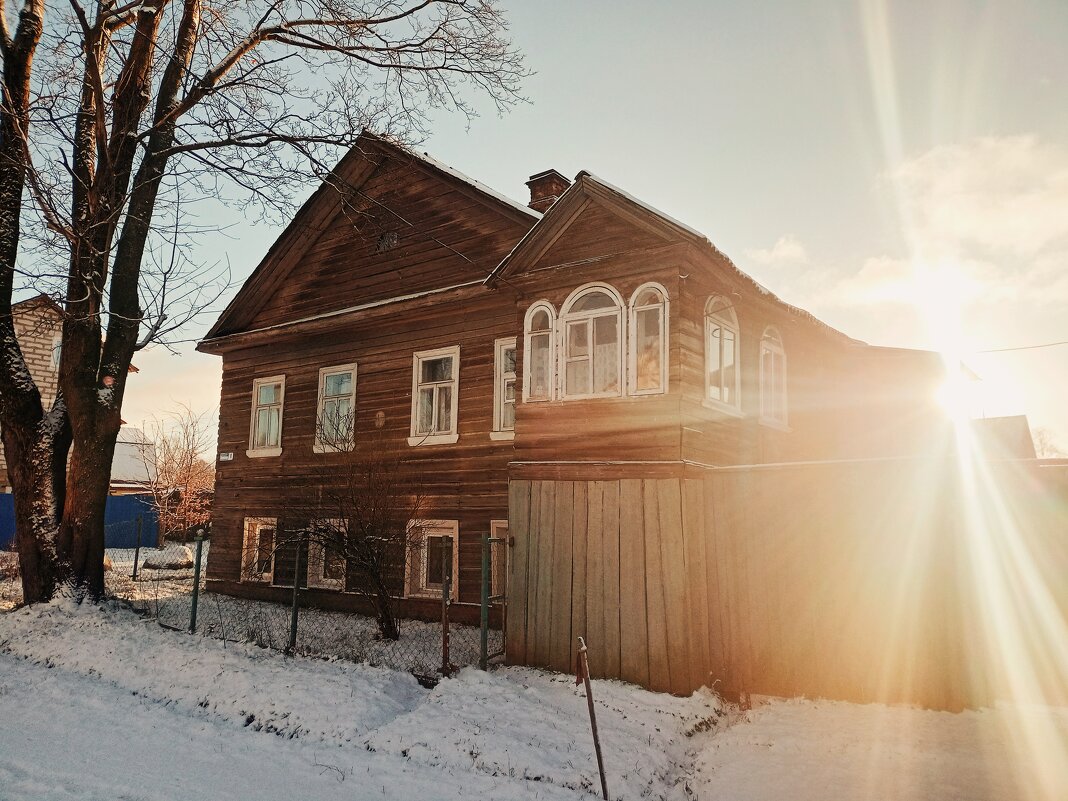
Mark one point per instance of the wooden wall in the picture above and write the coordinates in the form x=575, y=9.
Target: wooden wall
x=863, y=581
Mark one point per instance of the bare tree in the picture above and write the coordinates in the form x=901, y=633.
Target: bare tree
x=359, y=527
x=1046, y=445
x=180, y=480
x=115, y=118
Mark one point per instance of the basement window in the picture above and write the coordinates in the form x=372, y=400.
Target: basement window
x=434, y=555
x=257, y=554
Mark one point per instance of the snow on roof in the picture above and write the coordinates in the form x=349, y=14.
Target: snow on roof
x=455, y=173
x=128, y=464
x=694, y=234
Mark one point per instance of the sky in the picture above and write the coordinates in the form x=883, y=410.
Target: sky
x=900, y=169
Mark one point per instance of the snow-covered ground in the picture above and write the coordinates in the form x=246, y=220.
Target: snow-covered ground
x=167, y=595
x=99, y=704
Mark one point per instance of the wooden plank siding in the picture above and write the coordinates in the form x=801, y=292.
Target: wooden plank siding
x=770, y=581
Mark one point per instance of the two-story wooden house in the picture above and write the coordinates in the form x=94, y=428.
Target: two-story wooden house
x=586, y=336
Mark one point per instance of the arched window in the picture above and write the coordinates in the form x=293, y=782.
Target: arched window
x=592, y=338
x=721, y=353
x=772, y=378
x=539, y=362
x=648, y=340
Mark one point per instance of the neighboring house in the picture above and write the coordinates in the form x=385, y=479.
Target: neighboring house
x=133, y=466
x=39, y=328
x=601, y=339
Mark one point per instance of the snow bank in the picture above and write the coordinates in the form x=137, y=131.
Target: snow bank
x=533, y=725
x=326, y=701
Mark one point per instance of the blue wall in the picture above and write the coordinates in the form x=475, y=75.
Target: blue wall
x=120, y=520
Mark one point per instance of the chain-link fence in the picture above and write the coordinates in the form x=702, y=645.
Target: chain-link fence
x=168, y=584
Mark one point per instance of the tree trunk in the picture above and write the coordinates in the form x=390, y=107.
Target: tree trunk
x=81, y=533
x=383, y=602
x=36, y=458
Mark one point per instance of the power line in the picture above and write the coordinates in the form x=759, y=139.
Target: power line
x=1025, y=347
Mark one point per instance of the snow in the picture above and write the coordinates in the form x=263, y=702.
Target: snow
x=174, y=558
x=106, y=705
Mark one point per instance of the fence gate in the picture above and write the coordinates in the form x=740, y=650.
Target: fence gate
x=494, y=598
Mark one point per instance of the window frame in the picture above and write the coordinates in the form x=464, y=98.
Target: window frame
x=317, y=558
x=539, y=306
x=499, y=578
x=433, y=528
x=567, y=318
x=771, y=342
x=500, y=379
x=632, y=342
x=435, y=437
x=253, y=451
x=318, y=446
x=253, y=550
x=732, y=324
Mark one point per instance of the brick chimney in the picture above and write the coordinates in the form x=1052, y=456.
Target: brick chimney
x=545, y=188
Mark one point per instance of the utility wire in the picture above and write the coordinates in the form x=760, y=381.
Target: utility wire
x=1024, y=347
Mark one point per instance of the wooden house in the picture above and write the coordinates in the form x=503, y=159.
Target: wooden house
x=553, y=370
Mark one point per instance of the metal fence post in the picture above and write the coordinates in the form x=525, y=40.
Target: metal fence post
x=446, y=600
x=296, y=605
x=137, y=550
x=483, y=643
x=196, y=581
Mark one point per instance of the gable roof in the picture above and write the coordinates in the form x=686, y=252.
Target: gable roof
x=351, y=173
x=589, y=188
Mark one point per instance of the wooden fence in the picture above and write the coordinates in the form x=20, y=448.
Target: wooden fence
x=865, y=581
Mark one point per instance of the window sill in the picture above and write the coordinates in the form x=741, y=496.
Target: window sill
x=778, y=425
x=263, y=453
x=318, y=447
x=723, y=408
x=433, y=439
x=336, y=586
x=502, y=436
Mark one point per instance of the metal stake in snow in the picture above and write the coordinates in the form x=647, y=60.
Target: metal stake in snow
x=584, y=677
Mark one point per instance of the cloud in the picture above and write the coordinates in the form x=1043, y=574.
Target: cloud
x=786, y=251
x=1006, y=196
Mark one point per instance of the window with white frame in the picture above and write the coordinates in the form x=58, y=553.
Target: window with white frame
x=499, y=557
x=721, y=354
x=772, y=379
x=257, y=553
x=434, y=556
x=326, y=558
x=648, y=340
x=435, y=392
x=57, y=350
x=335, y=418
x=265, y=437
x=539, y=363
x=503, y=389
x=591, y=324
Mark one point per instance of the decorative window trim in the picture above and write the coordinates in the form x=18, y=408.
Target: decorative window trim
x=499, y=579
x=416, y=586
x=250, y=549
x=567, y=317
x=500, y=378
x=323, y=447
x=541, y=305
x=259, y=453
x=632, y=347
x=317, y=559
x=436, y=437
x=730, y=322
x=771, y=342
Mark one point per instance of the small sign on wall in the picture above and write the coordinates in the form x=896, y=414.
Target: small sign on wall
x=228, y=456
